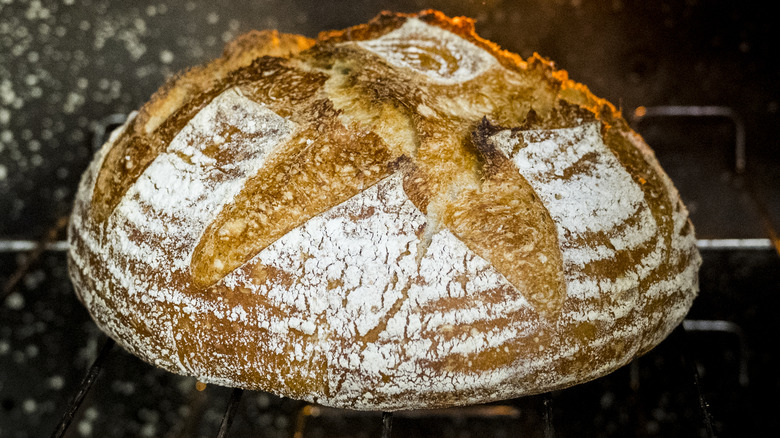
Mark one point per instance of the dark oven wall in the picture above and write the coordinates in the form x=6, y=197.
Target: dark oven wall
x=66, y=66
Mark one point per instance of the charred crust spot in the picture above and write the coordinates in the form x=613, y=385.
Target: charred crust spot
x=532, y=121
x=484, y=130
x=403, y=164
x=563, y=115
x=568, y=114
x=491, y=158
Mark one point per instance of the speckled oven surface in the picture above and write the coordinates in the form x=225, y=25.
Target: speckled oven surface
x=65, y=65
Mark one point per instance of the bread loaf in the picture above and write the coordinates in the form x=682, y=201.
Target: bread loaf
x=398, y=215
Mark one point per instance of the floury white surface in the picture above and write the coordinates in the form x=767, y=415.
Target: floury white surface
x=363, y=307
x=440, y=55
x=382, y=287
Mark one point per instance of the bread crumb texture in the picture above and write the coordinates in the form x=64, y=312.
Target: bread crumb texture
x=398, y=215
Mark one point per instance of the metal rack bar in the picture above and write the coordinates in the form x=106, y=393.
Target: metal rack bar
x=84, y=388
x=230, y=412
x=643, y=113
x=680, y=332
x=725, y=244
x=387, y=424
x=36, y=248
x=706, y=325
x=547, y=404
x=634, y=376
x=740, y=154
x=22, y=245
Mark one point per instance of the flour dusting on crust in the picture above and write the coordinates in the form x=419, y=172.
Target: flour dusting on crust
x=187, y=185
x=601, y=213
x=432, y=51
x=359, y=279
x=171, y=204
x=344, y=308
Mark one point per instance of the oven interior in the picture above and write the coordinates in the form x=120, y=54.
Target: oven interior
x=697, y=79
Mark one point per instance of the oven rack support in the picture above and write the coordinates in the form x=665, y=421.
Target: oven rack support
x=227, y=419
x=387, y=417
x=86, y=385
x=740, y=155
x=642, y=113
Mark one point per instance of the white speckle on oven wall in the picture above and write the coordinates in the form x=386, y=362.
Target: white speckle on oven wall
x=64, y=66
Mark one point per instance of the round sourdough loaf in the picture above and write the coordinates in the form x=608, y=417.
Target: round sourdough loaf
x=398, y=215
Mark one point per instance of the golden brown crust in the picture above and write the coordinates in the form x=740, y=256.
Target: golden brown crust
x=401, y=215
x=172, y=106
x=238, y=53
x=323, y=166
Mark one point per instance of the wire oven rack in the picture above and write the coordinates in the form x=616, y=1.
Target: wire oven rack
x=545, y=403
